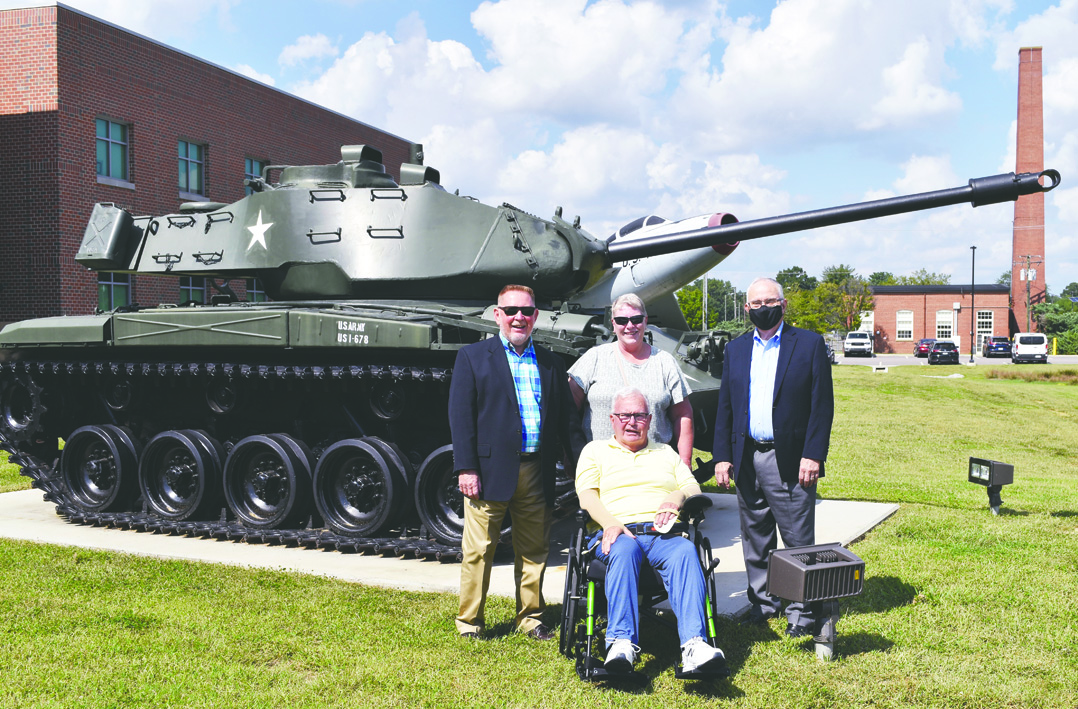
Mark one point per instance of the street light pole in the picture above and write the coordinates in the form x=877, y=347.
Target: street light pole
x=972, y=302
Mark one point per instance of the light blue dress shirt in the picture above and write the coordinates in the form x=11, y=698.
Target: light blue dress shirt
x=525, y=370
x=765, y=361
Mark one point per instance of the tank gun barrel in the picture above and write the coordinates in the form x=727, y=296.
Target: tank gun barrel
x=980, y=191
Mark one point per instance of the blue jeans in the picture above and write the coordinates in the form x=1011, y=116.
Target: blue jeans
x=674, y=557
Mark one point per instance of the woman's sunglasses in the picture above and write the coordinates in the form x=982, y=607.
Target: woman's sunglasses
x=511, y=310
x=624, y=320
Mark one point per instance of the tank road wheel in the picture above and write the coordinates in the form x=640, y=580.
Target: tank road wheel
x=21, y=409
x=438, y=500
x=180, y=474
x=355, y=488
x=99, y=467
x=402, y=471
x=268, y=481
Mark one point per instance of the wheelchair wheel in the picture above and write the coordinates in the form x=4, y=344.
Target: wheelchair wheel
x=570, y=607
x=711, y=586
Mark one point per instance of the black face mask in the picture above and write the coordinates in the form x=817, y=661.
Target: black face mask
x=766, y=317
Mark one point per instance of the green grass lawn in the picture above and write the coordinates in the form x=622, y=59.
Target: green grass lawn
x=960, y=609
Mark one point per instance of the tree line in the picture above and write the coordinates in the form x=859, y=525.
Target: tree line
x=833, y=301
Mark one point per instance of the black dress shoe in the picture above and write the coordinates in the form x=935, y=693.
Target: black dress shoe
x=541, y=632
x=797, y=631
x=755, y=616
x=470, y=635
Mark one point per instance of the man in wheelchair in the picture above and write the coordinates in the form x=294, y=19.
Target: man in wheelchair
x=634, y=491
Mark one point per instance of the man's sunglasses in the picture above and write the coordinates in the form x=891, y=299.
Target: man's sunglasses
x=624, y=320
x=511, y=310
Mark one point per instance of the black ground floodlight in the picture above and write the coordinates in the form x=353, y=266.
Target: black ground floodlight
x=993, y=475
x=817, y=576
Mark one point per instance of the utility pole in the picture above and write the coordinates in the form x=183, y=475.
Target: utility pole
x=704, y=323
x=972, y=302
x=1029, y=274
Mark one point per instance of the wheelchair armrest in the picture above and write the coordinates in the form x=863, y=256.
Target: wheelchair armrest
x=582, y=516
x=694, y=507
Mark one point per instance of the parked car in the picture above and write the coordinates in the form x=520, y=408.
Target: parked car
x=1029, y=347
x=857, y=342
x=923, y=347
x=943, y=352
x=996, y=346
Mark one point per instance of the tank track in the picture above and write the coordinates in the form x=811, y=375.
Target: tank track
x=44, y=476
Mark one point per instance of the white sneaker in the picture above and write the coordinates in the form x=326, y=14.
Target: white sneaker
x=620, y=656
x=698, y=655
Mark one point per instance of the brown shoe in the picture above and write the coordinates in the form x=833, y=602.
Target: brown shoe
x=541, y=632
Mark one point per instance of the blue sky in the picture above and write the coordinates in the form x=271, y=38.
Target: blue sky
x=616, y=109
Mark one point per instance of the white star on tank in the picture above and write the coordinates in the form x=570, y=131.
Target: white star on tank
x=258, y=232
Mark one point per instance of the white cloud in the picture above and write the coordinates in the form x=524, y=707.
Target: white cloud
x=249, y=71
x=911, y=91
x=317, y=46
x=615, y=109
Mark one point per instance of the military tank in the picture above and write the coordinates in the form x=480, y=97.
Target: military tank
x=319, y=418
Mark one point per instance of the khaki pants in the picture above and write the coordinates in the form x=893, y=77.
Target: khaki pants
x=531, y=519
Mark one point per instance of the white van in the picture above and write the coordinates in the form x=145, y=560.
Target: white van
x=1029, y=347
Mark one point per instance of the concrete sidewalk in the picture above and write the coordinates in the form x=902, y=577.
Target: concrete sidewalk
x=24, y=515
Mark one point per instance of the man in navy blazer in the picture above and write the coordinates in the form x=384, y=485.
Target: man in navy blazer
x=772, y=432
x=512, y=419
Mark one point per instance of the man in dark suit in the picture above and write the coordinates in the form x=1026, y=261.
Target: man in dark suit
x=512, y=419
x=772, y=432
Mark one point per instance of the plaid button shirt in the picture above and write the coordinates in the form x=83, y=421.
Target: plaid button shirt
x=525, y=370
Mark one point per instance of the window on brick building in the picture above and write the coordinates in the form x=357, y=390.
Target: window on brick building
x=192, y=167
x=255, y=292
x=192, y=289
x=113, y=290
x=868, y=320
x=252, y=169
x=985, y=323
x=944, y=324
x=112, y=142
x=904, y=325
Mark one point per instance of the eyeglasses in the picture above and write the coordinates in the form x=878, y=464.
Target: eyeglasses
x=511, y=310
x=626, y=418
x=624, y=320
x=770, y=302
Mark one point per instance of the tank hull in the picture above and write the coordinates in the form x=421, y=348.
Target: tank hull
x=326, y=423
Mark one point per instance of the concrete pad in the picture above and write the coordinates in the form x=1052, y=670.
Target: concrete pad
x=25, y=516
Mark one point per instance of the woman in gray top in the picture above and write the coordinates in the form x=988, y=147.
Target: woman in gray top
x=631, y=361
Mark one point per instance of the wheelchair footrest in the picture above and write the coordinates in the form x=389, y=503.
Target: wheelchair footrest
x=714, y=670
x=593, y=669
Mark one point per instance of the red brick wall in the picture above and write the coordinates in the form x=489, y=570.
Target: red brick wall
x=924, y=306
x=60, y=71
x=29, y=161
x=1029, y=209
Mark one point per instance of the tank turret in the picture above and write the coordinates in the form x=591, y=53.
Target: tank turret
x=349, y=231
x=321, y=418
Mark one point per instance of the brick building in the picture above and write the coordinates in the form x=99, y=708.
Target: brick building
x=905, y=314
x=90, y=112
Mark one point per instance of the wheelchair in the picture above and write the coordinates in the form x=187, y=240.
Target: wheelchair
x=583, y=620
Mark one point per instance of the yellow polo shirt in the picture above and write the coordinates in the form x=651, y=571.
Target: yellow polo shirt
x=631, y=485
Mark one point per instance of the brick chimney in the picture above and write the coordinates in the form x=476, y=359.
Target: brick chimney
x=1028, y=241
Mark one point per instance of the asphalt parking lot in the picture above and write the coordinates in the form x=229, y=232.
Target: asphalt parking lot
x=894, y=360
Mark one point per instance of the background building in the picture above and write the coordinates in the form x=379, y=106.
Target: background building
x=90, y=112
x=905, y=314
